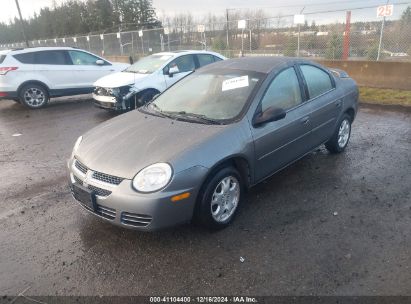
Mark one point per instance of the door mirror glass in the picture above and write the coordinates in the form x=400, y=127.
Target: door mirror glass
x=269, y=115
x=99, y=62
x=173, y=70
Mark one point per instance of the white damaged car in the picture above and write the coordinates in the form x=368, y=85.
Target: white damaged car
x=149, y=76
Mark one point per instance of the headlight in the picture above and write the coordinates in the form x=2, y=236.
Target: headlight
x=153, y=178
x=114, y=91
x=76, y=145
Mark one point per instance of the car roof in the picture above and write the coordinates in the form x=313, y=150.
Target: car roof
x=42, y=48
x=186, y=52
x=262, y=64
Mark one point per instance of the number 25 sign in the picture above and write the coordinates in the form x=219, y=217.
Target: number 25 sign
x=385, y=10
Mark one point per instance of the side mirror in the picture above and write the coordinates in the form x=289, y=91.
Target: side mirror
x=173, y=70
x=99, y=62
x=269, y=115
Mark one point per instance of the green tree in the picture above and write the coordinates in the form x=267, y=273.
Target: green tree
x=334, y=47
x=372, y=52
x=291, y=47
x=406, y=16
x=73, y=17
x=219, y=44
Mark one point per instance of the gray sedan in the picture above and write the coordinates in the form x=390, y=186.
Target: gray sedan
x=192, y=152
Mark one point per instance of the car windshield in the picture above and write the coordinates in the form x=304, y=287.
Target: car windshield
x=148, y=65
x=214, y=95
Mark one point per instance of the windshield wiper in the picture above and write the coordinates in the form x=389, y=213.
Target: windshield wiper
x=194, y=116
x=154, y=110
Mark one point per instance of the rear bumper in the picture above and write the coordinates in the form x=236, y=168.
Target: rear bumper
x=8, y=95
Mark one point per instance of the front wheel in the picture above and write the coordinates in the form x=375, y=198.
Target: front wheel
x=341, y=136
x=34, y=96
x=219, y=199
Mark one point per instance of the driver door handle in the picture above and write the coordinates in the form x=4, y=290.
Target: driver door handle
x=305, y=120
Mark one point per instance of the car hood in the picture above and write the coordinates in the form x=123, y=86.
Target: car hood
x=119, y=79
x=126, y=144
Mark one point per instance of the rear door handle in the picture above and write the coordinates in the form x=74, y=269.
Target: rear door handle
x=338, y=103
x=305, y=120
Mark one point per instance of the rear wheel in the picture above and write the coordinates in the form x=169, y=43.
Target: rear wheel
x=341, y=136
x=219, y=199
x=34, y=96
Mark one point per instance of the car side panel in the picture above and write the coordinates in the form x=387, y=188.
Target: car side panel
x=154, y=81
x=325, y=111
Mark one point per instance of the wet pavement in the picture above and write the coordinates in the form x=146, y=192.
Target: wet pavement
x=327, y=225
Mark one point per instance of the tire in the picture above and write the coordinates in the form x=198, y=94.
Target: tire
x=341, y=136
x=142, y=98
x=219, y=199
x=34, y=96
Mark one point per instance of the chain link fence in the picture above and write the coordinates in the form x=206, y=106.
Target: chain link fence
x=317, y=37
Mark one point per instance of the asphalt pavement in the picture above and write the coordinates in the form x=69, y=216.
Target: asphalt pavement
x=327, y=225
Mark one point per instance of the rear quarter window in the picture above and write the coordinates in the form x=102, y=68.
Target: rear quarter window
x=44, y=57
x=27, y=58
x=2, y=57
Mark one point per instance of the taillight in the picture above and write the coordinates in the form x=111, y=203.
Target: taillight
x=5, y=70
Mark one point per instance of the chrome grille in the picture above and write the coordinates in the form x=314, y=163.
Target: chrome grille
x=106, y=212
x=81, y=167
x=110, y=179
x=98, y=191
x=79, y=181
x=136, y=220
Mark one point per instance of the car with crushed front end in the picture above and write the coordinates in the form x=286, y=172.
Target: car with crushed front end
x=192, y=152
x=149, y=76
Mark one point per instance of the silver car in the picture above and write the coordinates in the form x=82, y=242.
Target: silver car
x=192, y=152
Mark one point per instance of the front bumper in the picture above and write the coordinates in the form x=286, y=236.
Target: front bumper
x=106, y=102
x=145, y=212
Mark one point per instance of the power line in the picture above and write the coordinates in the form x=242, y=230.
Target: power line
x=311, y=4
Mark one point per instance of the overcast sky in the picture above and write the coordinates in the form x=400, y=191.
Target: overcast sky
x=203, y=7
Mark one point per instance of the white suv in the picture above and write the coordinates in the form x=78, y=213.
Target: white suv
x=32, y=75
x=140, y=82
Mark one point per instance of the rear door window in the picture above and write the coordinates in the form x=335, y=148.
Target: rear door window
x=51, y=57
x=318, y=81
x=204, y=59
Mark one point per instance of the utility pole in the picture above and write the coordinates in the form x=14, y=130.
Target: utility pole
x=22, y=24
x=347, y=33
x=227, y=29
x=382, y=31
x=299, y=34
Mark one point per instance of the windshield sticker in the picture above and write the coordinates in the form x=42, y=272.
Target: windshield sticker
x=235, y=83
